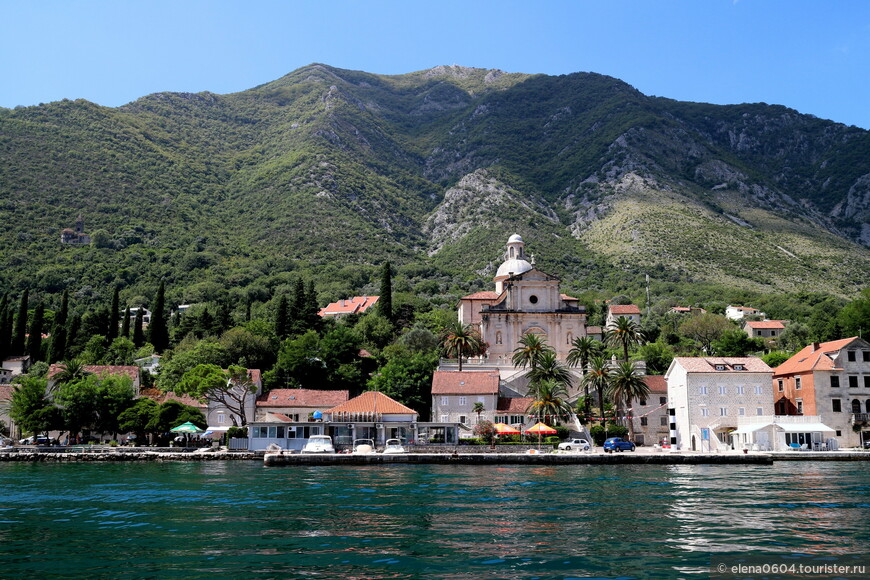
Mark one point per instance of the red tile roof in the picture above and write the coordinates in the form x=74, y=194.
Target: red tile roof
x=372, y=402
x=750, y=364
x=624, y=309
x=814, y=357
x=765, y=324
x=355, y=305
x=656, y=383
x=465, y=383
x=593, y=330
x=302, y=398
x=101, y=370
x=6, y=392
x=485, y=295
x=515, y=405
x=568, y=298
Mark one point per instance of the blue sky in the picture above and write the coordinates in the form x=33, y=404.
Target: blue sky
x=809, y=55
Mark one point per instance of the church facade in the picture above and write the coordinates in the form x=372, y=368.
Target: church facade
x=525, y=300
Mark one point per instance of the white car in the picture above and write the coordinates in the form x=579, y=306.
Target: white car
x=319, y=444
x=394, y=446
x=578, y=444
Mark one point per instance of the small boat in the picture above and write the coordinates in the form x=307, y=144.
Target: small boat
x=363, y=447
x=319, y=444
x=394, y=446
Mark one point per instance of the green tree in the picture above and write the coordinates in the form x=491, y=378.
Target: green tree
x=598, y=378
x=139, y=418
x=57, y=342
x=34, y=339
x=112, y=330
x=68, y=371
x=775, y=358
x=138, y=333
x=549, y=400
x=125, y=323
x=532, y=348
x=625, y=385
x=173, y=413
x=178, y=362
x=283, y=325
x=705, y=328
x=375, y=330
x=735, y=342
x=30, y=407
x=407, y=378
x=233, y=389
x=385, y=301
x=658, y=357
x=120, y=352
x=582, y=349
x=19, y=333
x=5, y=328
x=854, y=317
x=625, y=333
x=158, y=331
x=461, y=340
x=549, y=368
x=478, y=408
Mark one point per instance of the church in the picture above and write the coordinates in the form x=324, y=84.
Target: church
x=525, y=300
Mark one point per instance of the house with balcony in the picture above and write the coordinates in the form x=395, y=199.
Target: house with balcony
x=297, y=404
x=830, y=380
x=651, y=413
x=738, y=313
x=707, y=397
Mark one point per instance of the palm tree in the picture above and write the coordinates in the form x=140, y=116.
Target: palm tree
x=461, y=340
x=549, y=400
x=70, y=370
x=529, y=353
x=626, y=384
x=550, y=368
x=624, y=333
x=582, y=349
x=478, y=408
x=598, y=378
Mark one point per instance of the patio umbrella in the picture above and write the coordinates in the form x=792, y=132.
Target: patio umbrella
x=503, y=429
x=186, y=428
x=541, y=429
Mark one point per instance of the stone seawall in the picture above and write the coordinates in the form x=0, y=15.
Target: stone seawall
x=72, y=457
x=276, y=459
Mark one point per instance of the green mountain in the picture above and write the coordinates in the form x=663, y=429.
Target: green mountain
x=329, y=172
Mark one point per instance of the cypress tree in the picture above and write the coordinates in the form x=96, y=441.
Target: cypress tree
x=57, y=344
x=75, y=323
x=312, y=318
x=158, y=331
x=18, y=334
x=34, y=339
x=138, y=334
x=125, y=324
x=112, y=332
x=385, y=302
x=282, y=318
x=224, y=319
x=296, y=310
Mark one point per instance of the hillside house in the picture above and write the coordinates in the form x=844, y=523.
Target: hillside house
x=738, y=313
x=651, y=414
x=355, y=305
x=615, y=311
x=764, y=328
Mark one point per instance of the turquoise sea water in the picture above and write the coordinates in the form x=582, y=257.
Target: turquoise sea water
x=242, y=520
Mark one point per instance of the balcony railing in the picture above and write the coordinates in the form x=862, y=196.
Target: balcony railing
x=860, y=418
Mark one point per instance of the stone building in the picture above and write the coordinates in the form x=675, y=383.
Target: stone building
x=77, y=236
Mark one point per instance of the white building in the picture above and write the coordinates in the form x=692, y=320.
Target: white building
x=740, y=312
x=709, y=395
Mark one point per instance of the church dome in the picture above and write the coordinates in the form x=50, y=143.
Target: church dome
x=515, y=265
x=515, y=238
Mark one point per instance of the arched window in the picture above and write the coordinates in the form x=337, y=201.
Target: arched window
x=867, y=405
x=856, y=406
x=512, y=253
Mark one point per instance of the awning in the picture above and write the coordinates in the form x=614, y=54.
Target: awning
x=750, y=428
x=804, y=427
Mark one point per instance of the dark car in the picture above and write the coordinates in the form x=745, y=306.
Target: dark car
x=618, y=444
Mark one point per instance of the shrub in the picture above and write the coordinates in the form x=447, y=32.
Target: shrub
x=599, y=435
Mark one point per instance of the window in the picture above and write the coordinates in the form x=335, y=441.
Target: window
x=797, y=383
x=643, y=402
x=856, y=406
x=836, y=407
x=867, y=381
x=781, y=409
x=720, y=367
x=705, y=412
x=839, y=433
x=221, y=418
x=723, y=390
x=643, y=421
x=779, y=385
x=865, y=355
x=664, y=421
x=463, y=419
x=444, y=400
x=741, y=411
x=702, y=390
x=760, y=411
x=740, y=390
x=738, y=367
x=723, y=411
x=835, y=382
x=664, y=400
x=853, y=381
x=518, y=419
x=850, y=355
x=462, y=402
x=758, y=389
x=445, y=418
x=800, y=406
x=533, y=299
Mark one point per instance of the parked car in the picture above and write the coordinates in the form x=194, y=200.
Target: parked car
x=319, y=444
x=618, y=444
x=38, y=440
x=572, y=444
x=394, y=446
x=6, y=442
